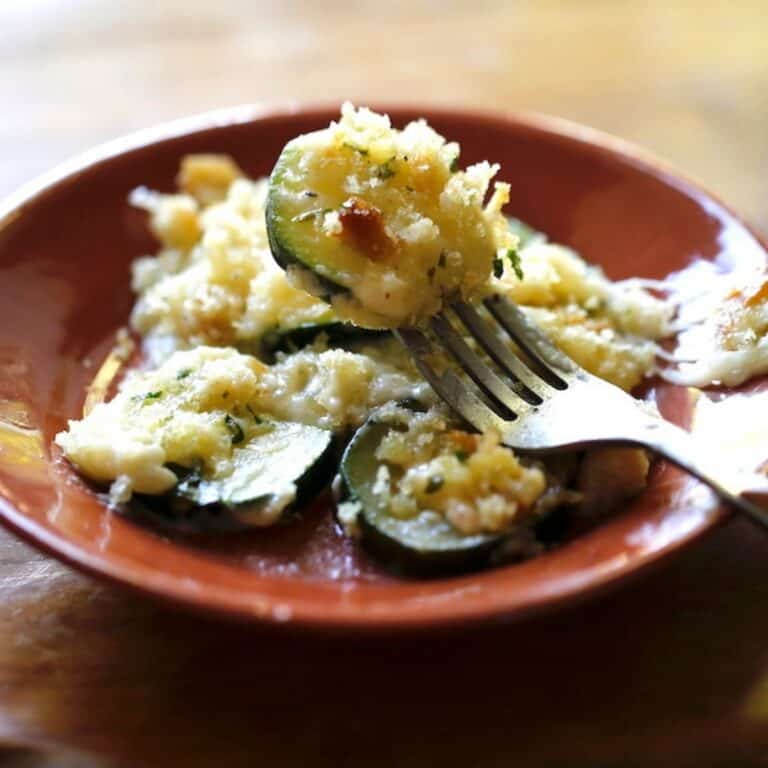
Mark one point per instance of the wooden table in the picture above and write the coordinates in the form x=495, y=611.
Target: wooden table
x=672, y=670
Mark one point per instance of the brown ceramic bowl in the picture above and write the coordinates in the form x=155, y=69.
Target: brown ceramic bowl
x=66, y=243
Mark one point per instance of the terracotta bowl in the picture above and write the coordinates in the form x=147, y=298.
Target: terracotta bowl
x=66, y=243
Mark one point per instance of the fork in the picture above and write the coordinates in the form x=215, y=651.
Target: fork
x=548, y=403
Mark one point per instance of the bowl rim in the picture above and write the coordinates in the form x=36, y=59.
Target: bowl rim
x=304, y=613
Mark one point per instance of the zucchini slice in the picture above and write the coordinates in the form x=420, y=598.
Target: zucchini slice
x=272, y=475
x=380, y=222
x=425, y=545
x=291, y=228
x=428, y=498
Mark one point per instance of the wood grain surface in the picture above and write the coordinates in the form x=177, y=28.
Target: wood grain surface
x=671, y=670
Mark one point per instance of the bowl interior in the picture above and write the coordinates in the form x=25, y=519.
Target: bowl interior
x=65, y=251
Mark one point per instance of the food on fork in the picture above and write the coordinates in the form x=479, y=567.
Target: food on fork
x=251, y=384
x=382, y=222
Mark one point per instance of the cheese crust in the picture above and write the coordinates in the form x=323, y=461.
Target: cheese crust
x=386, y=217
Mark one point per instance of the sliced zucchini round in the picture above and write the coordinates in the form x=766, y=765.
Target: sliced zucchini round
x=291, y=228
x=380, y=221
x=425, y=545
x=272, y=475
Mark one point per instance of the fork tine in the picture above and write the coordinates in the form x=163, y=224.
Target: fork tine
x=531, y=340
x=489, y=383
x=532, y=387
x=448, y=385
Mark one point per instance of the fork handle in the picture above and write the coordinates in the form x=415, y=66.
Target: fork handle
x=730, y=484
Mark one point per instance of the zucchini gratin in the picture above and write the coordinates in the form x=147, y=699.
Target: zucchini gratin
x=268, y=367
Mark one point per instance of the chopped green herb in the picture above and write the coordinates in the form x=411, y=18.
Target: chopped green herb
x=498, y=267
x=514, y=260
x=454, y=166
x=235, y=429
x=309, y=193
x=462, y=456
x=255, y=416
x=148, y=397
x=434, y=484
x=385, y=170
x=183, y=373
x=355, y=148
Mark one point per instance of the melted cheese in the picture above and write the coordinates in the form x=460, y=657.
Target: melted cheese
x=724, y=327
x=182, y=413
x=185, y=411
x=611, y=329
x=214, y=281
x=474, y=483
x=335, y=388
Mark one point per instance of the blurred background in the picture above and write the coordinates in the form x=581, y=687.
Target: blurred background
x=88, y=669
x=687, y=79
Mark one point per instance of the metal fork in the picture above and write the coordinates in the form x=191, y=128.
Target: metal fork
x=549, y=403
